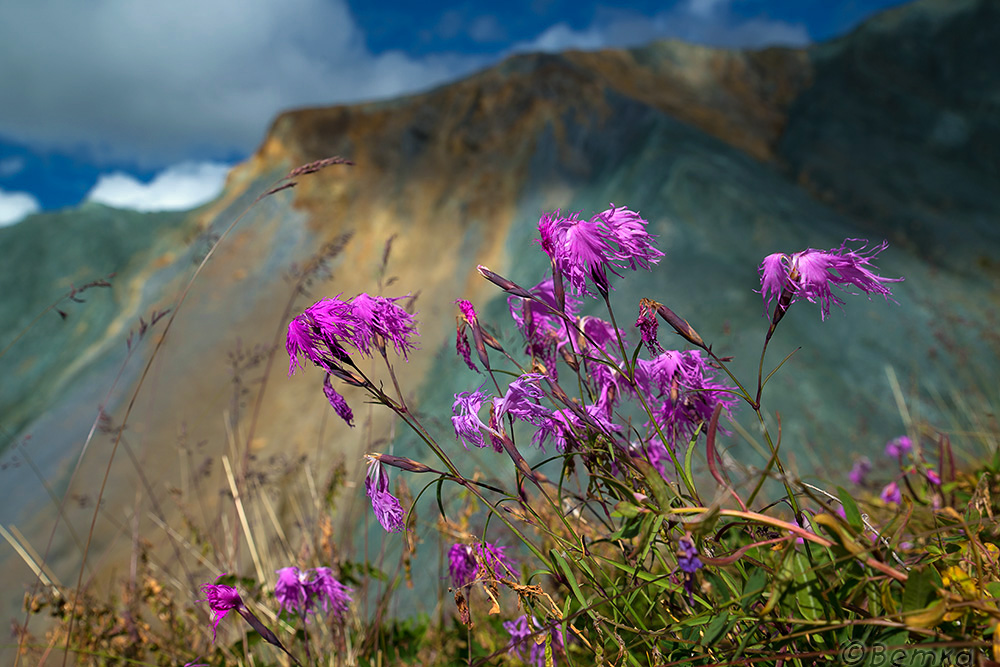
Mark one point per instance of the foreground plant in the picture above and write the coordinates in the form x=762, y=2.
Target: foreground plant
x=645, y=570
x=629, y=553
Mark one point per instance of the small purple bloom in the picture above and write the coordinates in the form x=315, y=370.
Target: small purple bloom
x=687, y=556
x=891, y=494
x=338, y=402
x=522, y=635
x=386, y=507
x=809, y=275
x=604, y=335
x=321, y=331
x=658, y=455
x=932, y=476
x=468, y=312
x=221, y=599
x=896, y=447
x=859, y=471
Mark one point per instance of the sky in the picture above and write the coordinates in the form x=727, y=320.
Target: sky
x=145, y=105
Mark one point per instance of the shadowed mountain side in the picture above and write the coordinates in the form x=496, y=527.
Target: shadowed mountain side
x=901, y=130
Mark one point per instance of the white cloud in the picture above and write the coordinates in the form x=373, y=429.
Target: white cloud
x=708, y=22
x=180, y=187
x=11, y=166
x=15, y=206
x=155, y=82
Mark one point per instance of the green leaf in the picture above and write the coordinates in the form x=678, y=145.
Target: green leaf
x=717, y=628
x=919, y=590
x=687, y=461
x=567, y=572
x=626, y=509
x=655, y=482
x=753, y=588
x=850, y=509
x=809, y=605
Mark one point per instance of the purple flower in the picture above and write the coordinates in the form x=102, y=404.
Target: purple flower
x=292, y=590
x=306, y=591
x=468, y=312
x=321, y=331
x=465, y=417
x=543, y=329
x=859, y=471
x=333, y=595
x=522, y=635
x=566, y=428
x=932, y=476
x=466, y=562
x=462, y=564
x=686, y=390
x=380, y=320
x=522, y=401
x=462, y=347
x=387, y=507
x=891, y=494
x=602, y=333
x=896, y=447
x=588, y=249
x=338, y=402
x=809, y=275
x=221, y=599
x=657, y=454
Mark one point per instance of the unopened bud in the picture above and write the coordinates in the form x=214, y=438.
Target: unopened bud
x=504, y=284
x=681, y=326
x=492, y=342
x=400, y=462
x=570, y=358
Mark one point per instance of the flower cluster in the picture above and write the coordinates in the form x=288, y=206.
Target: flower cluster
x=322, y=331
x=521, y=401
x=685, y=392
x=466, y=562
x=589, y=249
x=810, y=274
x=305, y=591
x=522, y=635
